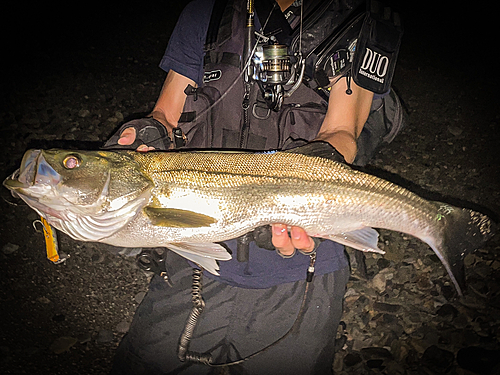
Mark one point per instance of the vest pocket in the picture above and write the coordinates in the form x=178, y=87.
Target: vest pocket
x=299, y=124
x=198, y=118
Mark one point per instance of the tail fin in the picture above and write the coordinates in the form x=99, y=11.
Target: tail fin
x=464, y=231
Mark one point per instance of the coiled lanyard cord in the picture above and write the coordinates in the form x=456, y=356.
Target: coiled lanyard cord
x=183, y=352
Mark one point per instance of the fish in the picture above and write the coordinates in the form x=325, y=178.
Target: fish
x=190, y=201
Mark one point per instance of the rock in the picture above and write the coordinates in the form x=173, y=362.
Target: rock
x=98, y=257
x=437, y=360
x=93, y=138
x=119, y=116
x=495, y=265
x=418, y=345
x=375, y=363
x=455, y=130
x=130, y=251
x=482, y=270
x=123, y=327
x=375, y=353
x=338, y=361
x=403, y=274
x=447, y=311
x=84, y=113
x=383, y=263
x=393, y=368
x=62, y=344
x=424, y=282
x=478, y=360
x=9, y=248
x=379, y=282
x=43, y=300
x=362, y=343
x=69, y=136
x=352, y=359
x=386, y=307
x=84, y=338
x=139, y=297
x=469, y=260
x=400, y=350
x=104, y=336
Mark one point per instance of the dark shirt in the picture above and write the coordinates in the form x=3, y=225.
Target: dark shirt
x=184, y=55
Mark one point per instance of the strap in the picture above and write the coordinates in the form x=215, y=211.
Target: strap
x=229, y=58
x=187, y=116
x=219, y=11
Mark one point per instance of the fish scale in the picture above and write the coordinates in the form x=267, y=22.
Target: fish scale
x=209, y=170
x=280, y=165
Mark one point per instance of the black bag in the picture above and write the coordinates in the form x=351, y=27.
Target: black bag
x=377, y=49
x=362, y=42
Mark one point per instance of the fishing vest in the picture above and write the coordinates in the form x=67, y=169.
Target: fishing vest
x=219, y=114
x=226, y=112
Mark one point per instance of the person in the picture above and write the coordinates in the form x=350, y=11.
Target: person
x=256, y=299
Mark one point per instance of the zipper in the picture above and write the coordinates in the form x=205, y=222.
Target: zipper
x=246, y=118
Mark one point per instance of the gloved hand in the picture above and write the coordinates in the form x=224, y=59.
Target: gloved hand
x=148, y=131
x=319, y=148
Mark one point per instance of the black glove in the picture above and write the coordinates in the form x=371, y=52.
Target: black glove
x=322, y=149
x=148, y=131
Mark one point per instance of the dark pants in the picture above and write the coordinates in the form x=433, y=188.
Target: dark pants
x=236, y=322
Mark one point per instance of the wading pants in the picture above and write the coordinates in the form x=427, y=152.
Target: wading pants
x=236, y=322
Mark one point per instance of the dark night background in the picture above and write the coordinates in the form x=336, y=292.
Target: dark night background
x=58, y=60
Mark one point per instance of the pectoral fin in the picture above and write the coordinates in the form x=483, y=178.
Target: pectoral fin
x=203, y=254
x=365, y=239
x=177, y=218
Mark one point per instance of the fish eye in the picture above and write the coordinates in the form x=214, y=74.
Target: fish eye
x=71, y=162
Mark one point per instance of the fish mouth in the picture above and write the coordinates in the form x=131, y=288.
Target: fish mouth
x=34, y=171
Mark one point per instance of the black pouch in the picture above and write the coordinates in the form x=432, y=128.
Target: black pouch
x=377, y=49
x=198, y=118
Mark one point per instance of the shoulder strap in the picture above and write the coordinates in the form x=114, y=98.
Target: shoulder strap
x=220, y=11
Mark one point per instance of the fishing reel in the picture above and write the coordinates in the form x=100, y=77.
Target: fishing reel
x=277, y=73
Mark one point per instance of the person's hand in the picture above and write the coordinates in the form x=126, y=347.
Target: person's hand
x=127, y=137
x=143, y=134
x=287, y=243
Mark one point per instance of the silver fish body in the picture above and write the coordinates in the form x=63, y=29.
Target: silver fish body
x=187, y=201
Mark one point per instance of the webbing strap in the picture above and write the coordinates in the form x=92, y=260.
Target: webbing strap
x=229, y=58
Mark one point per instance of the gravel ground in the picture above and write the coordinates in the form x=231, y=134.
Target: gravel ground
x=75, y=80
